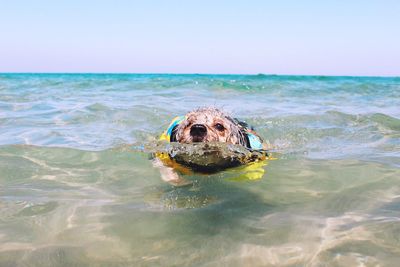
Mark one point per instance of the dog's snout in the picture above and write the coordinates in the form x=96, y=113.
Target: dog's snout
x=198, y=130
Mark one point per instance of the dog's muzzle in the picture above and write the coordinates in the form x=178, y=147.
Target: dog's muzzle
x=198, y=132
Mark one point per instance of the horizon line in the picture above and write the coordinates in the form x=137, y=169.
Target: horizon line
x=201, y=74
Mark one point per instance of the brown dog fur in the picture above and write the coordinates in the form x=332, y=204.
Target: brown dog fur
x=216, y=127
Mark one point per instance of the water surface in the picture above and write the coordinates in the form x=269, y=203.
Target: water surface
x=76, y=191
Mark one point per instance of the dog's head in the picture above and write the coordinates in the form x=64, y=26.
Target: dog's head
x=209, y=125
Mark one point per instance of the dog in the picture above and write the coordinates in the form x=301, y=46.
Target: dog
x=208, y=125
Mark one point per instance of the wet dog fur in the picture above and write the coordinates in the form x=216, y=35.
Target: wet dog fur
x=209, y=125
x=206, y=124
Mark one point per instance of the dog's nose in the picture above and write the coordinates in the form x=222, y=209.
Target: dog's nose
x=198, y=130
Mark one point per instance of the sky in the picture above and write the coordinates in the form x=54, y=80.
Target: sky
x=353, y=37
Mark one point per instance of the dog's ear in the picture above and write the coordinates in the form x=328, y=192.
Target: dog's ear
x=243, y=132
x=245, y=138
x=173, y=134
x=243, y=126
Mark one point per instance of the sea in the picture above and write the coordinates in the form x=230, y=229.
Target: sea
x=78, y=186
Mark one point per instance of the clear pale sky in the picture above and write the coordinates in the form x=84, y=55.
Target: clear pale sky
x=273, y=37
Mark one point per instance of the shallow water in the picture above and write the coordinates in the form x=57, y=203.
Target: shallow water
x=77, y=190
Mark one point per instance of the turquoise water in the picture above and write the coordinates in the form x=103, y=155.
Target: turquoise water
x=73, y=191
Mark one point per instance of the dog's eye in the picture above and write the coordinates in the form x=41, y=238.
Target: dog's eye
x=219, y=127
